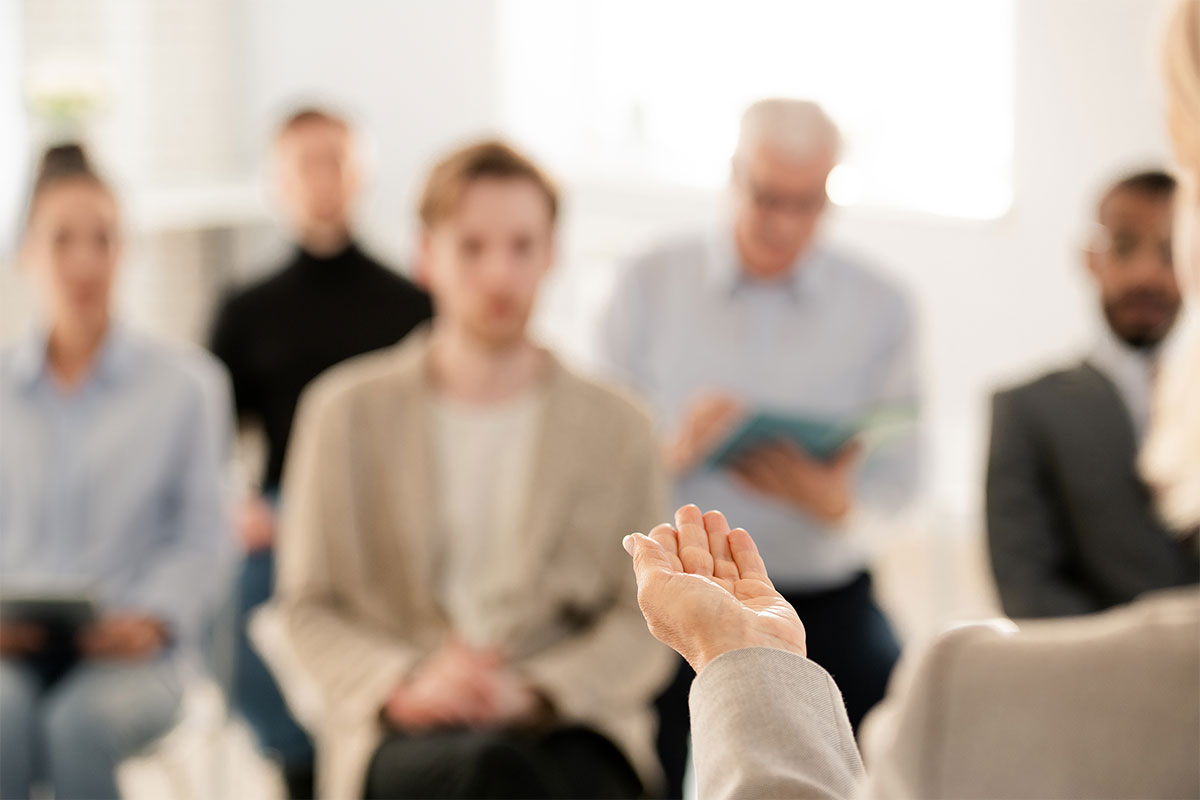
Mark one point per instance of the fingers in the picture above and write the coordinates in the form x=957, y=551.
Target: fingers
x=92, y=642
x=783, y=457
x=755, y=473
x=666, y=537
x=649, y=558
x=694, y=551
x=702, y=545
x=104, y=640
x=745, y=554
x=717, y=529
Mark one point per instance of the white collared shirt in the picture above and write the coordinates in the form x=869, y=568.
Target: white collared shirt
x=830, y=339
x=1132, y=372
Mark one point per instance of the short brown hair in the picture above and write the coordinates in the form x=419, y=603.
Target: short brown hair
x=1154, y=184
x=309, y=115
x=63, y=163
x=491, y=158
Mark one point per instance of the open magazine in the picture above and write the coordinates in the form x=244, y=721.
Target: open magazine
x=820, y=438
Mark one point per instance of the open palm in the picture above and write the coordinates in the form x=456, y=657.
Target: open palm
x=704, y=589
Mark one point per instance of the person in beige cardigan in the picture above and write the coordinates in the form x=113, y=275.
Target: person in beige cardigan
x=461, y=619
x=1105, y=705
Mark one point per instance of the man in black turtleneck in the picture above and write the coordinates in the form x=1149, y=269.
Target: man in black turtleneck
x=331, y=301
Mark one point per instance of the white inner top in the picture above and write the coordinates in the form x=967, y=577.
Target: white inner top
x=483, y=462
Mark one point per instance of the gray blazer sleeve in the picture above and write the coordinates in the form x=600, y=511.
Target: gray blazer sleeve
x=771, y=724
x=1024, y=536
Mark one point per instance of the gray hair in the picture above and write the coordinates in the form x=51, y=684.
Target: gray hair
x=797, y=128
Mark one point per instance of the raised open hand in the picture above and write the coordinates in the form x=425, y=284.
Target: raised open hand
x=704, y=589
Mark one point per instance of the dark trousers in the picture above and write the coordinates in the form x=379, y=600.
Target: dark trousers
x=255, y=695
x=847, y=634
x=572, y=762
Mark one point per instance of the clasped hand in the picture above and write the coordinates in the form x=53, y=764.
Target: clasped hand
x=129, y=637
x=462, y=685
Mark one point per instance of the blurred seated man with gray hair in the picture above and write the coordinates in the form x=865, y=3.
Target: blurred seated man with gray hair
x=758, y=315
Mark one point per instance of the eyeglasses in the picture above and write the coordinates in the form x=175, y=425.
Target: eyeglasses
x=1123, y=246
x=769, y=201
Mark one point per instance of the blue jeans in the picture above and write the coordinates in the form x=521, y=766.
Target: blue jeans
x=74, y=730
x=255, y=694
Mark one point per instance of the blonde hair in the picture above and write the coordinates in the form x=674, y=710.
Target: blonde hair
x=1181, y=71
x=491, y=158
x=796, y=128
x=1170, y=460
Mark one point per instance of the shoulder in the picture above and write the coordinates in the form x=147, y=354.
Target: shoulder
x=668, y=258
x=391, y=278
x=197, y=382
x=9, y=356
x=346, y=388
x=1162, y=625
x=187, y=371
x=13, y=358
x=1034, y=391
x=252, y=296
x=606, y=409
x=178, y=363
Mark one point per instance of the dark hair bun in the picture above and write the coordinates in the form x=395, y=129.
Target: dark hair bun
x=64, y=161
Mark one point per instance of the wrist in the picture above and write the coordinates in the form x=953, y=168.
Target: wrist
x=711, y=649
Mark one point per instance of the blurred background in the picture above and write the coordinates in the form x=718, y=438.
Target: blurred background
x=978, y=134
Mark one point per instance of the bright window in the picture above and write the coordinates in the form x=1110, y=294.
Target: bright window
x=651, y=90
x=13, y=149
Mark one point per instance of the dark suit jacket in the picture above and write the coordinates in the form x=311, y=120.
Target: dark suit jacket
x=1071, y=526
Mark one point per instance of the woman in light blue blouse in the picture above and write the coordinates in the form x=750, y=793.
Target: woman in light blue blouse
x=112, y=459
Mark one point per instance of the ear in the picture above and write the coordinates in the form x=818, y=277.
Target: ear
x=421, y=269
x=1091, y=260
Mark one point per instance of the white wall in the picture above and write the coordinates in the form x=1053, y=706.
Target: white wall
x=997, y=299
x=1001, y=299
x=416, y=75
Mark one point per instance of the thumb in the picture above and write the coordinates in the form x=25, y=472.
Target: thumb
x=649, y=557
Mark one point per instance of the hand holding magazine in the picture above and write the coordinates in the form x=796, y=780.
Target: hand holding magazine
x=822, y=438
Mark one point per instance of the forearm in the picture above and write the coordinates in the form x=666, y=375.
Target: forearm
x=353, y=668
x=183, y=591
x=771, y=724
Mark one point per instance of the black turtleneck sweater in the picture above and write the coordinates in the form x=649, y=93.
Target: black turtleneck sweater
x=279, y=334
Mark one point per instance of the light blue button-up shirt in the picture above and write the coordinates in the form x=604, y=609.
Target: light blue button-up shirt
x=118, y=486
x=831, y=340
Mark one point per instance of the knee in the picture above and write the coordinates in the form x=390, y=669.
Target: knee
x=499, y=763
x=18, y=700
x=76, y=720
x=118, y=721
x=493, y=748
